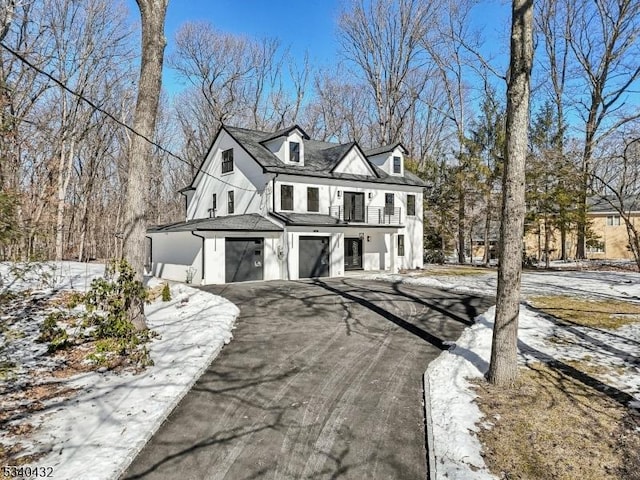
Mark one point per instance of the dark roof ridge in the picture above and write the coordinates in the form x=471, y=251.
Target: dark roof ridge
x=384, y=149
x=285, y=131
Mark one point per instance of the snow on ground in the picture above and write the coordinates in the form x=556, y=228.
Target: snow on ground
x=450, y=401
x=623, y=285
x=97, y=433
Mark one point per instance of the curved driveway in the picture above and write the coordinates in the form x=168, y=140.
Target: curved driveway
x=323, y=379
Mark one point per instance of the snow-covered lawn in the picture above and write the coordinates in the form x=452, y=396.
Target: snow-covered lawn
x=450, y=400
x=97, y=432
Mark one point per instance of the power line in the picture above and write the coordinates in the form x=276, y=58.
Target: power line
x=110, y=115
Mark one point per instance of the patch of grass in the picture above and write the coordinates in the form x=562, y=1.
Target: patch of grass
x=7, y=370
x=550, y=426
x=454, y=270
x=586, y=365
x=609, y=314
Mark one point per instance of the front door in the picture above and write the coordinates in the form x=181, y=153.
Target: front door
x=353, y=254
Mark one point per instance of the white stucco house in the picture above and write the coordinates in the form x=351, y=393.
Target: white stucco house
x=279, y=205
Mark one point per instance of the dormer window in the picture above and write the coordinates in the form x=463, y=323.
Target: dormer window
x=397, y=165
x=294, y=152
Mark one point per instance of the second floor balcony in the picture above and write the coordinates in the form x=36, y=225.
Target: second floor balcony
x=368, y=215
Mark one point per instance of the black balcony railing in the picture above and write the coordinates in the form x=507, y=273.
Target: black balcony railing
x=370, y=215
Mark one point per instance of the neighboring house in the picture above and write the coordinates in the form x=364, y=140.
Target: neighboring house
x=267, y=206
x=607, y=228
x=610, y=229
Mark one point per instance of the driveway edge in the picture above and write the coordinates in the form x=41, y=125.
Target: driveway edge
x=137, y=447
x=431, y=455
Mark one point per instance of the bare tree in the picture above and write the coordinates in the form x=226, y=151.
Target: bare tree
x=7, y=8
x=383, y=39
x=604, y=41
x=153, y=14
x=232, y=80
x=504, y=348
x=453, y=48
x=619, y=179
x=553, y=20
x=338, y=111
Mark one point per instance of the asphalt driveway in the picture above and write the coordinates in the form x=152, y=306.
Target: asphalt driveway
x=322, y=380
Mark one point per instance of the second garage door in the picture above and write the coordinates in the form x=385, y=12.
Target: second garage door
x=314, y=257
x=244, y=259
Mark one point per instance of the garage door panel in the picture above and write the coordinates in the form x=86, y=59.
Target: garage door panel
x=244, y=259
x=314, y=257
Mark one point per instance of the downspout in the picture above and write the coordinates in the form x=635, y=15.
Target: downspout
x=150, y=253
x=202, y=267
x=285, y=240
x=273, y=193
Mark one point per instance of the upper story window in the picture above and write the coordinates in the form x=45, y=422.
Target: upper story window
x=388, y=203
x=230, y=202
x=214, y=205
x=313, y=199
x=411, y=205
x=613, y=220
x=397, y=165
x=286, y=197
x=227, y=161
x=294, y=152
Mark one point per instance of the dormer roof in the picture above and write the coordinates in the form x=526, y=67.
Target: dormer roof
x=285, y=133
x=385, y=148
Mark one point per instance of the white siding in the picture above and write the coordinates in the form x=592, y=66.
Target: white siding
x=215, y=254
x=354, y=163
x=247, y=181
x=174, y=253
x=385, y=161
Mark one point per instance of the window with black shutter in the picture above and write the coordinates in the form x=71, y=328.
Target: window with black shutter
x=294, y=152
x=401, y=245
x=214, y=205
x=397, y=165
x=411, y=205
x=227, y=161
x=230, y=202
x=388, y=203
x=313, y=199
x=286, y=197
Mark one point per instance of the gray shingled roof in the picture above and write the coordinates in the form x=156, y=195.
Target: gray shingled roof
x=604, y=204
x=383, y=149
x=320, y=158
x=308, y=219
x=247, y=222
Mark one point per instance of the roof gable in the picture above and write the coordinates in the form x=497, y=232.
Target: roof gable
x=354, y=162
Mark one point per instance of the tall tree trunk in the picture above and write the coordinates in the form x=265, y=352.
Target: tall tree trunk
x=461, y=218
x=64, y=177
x=547, y=242
x=152, y=13
x=487, y=231
x=503, y=368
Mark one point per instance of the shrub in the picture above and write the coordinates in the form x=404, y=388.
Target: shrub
x=52, y=333
x=166, y=293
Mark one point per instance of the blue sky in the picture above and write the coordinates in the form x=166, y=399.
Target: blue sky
x=302, y=25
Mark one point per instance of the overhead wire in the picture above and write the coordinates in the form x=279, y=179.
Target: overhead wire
x=93, y=105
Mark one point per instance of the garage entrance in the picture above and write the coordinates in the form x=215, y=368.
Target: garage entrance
x=244, y=259
x=314, y=257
